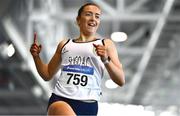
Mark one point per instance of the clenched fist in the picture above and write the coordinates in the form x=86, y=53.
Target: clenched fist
x=101, y=51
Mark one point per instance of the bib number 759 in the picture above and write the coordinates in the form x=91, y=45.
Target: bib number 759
x=77, y=79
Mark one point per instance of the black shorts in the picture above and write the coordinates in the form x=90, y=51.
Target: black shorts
x=79, y=107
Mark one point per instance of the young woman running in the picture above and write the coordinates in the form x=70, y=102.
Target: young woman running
x=82, y=62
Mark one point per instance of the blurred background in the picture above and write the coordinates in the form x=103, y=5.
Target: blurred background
x=150, y=56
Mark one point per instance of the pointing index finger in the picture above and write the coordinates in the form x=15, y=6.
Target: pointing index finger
x=35, y=37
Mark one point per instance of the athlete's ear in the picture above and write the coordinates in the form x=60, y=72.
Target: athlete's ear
x=77, y=20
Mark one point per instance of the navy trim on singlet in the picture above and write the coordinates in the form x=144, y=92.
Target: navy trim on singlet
x=79, y=107
x=85, y=42
x=65, y=44
x=103, y=42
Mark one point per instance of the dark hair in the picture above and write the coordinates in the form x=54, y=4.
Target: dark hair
x=87, y=4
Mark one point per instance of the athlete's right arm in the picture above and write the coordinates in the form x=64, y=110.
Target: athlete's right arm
x=46, y=71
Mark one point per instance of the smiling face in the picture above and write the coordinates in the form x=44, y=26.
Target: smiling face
x=89, y=20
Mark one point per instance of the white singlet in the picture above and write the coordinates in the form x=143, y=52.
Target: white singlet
x=81, y=71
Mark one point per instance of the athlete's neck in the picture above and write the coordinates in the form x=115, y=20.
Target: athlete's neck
x=83, y=38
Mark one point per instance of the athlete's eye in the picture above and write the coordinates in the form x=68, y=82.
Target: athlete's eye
x=97, y=17
x=88, y=14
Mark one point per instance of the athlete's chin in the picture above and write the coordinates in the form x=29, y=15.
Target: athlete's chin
x=91, y=31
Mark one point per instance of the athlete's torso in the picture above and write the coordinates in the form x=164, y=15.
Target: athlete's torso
x=81, y=71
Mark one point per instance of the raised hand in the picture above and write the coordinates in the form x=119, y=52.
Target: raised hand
x=101, y=51
x=35, y=47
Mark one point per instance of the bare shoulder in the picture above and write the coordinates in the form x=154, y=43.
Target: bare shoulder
x=109, y=43
x=61, y=44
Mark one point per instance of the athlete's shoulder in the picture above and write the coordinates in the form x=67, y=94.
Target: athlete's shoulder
x=107, y=41
x=62, y=43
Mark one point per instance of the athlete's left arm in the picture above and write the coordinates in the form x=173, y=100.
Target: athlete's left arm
x=114, y=67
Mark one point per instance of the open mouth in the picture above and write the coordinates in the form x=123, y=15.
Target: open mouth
x=92, y=24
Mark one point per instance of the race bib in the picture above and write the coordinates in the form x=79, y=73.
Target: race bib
x=76, y=75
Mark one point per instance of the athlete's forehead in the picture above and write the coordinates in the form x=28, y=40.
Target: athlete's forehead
x=87, y=5
x=92, y=8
